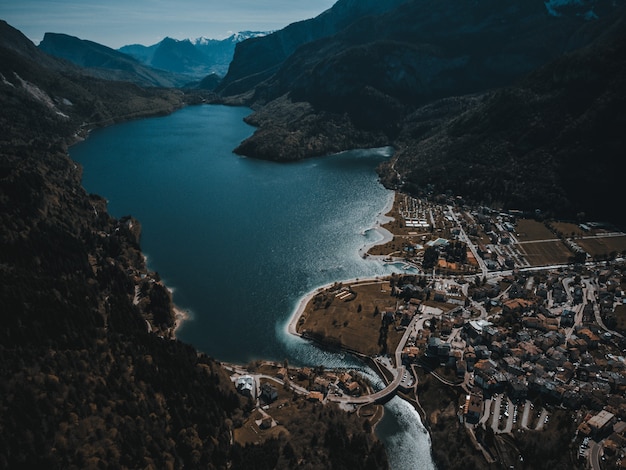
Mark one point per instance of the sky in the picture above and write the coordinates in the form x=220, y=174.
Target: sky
x=116, y=23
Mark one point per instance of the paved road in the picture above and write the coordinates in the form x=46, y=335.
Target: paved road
x=487, y=412
x=526, y=414
x=542, y=419
x=496, y=413
x=594, y=455
x=464, y=238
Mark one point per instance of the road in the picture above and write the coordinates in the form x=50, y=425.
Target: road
x=464, y=238
x=594, y=455
x=377, y=397
x=526, y=414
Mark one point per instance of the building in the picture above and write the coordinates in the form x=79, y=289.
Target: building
x=246, y=385
x=601, y=422
x=269, y=394
x=316, y=396
x=282, y=373
x=473, y=408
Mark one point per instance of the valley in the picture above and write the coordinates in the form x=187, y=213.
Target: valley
x=490, y=297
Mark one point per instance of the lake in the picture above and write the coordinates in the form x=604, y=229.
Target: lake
x=240, y=241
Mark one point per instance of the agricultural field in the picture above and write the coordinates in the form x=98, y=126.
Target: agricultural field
x=545, y=253
x=603, y=246
x=569, y=229
x=531, y=230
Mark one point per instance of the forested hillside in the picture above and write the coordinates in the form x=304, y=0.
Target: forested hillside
x=503, y=103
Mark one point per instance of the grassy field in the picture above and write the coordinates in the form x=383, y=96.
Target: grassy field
x=545, y=253
x=603, y=246
x=568, y=229
x=355, y=323
x=531, y=230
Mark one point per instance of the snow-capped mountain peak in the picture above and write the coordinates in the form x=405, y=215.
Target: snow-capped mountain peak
x=236, y=37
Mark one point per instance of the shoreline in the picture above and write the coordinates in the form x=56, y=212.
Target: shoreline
x=381, y=219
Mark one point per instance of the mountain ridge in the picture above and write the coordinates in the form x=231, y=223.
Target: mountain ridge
x=204, y=57
x=103, y=62
x=261, y=57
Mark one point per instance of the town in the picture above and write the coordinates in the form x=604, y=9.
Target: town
x=521, y=316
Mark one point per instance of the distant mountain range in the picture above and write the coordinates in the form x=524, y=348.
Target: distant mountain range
x=412, y=76
x=198, y=58
x=106, y=63
x=170, y=63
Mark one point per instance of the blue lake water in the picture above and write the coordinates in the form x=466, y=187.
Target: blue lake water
x=240, y=241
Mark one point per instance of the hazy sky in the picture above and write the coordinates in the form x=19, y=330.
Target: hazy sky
x=116, y=23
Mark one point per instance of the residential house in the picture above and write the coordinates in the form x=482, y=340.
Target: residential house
x=321, y=384
x=517, y=389
x=269, y=394
x=473, y=408
x=315, y=397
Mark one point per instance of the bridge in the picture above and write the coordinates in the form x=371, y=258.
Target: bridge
x=378, y=397
x=399, y=371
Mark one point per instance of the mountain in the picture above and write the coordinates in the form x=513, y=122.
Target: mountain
x=530, y=145
x=59, y=96
x=365, y=85
x=179, y=56
x=197, y=58
x=260, y=57
x=103, y=62
x=139, y=52
x=552, y=141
